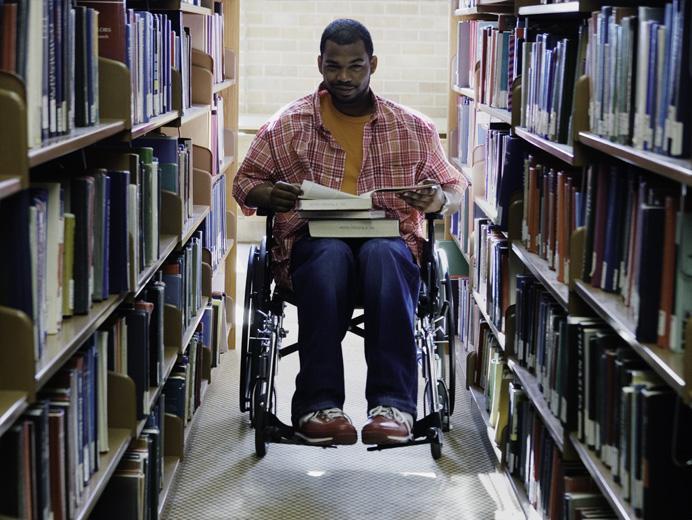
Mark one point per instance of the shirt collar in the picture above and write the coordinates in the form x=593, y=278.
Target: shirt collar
x=322, y=90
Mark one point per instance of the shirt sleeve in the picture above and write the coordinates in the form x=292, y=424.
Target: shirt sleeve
x=257, y=168
x=438, y=168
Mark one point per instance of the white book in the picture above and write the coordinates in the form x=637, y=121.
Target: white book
x=102, y=381
x=337, y=214
x=318, y=197
x=34, y=73
x=354, y=228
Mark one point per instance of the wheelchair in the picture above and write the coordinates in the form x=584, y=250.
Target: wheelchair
x=263, y=333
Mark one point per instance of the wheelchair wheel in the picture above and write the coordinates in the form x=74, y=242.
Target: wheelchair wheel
x=436, y=443
x=249, y=329
x=259, y=415
x=255, y=300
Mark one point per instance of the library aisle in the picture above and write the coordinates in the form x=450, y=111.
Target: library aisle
x=220, y=476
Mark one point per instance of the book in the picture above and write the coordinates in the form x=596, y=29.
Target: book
x=321, y=198
x=354, y=228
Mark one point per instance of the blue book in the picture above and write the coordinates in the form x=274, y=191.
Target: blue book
x=207, y=326
x=651, y=85
x=106, y=237
x=615, y=224
x=664, y=92
x=119, y=242
x=175, y=391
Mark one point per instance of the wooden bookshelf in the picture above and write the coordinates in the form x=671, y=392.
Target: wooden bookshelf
x=170, y=356
x=679, y=170
x=488, y=209
x=74, y=332
x=464, y=91
x=76, y=140
x=12, y=406
x=500, y=114
x=575, y=7
x=199, y=213
x=222, y=261
x=118, y=441
x=173, y=5
x=166, y=246
x=533, y=391
x=520, y=493
x=601, y=475
x=154, y=123
x=192, y=113
x=667, y=364
x=541, y=271
x=9, y=185
x=479, y=400
x=561, y=151
x=223, y=85
x=170, y=468
x=499, y=335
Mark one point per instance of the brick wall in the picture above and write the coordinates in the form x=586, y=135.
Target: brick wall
x=280, y=44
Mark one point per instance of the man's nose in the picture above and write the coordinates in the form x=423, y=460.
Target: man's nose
x=343, y=76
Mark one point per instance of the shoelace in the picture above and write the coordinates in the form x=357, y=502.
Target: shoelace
x=390, y=413
x=326, y=415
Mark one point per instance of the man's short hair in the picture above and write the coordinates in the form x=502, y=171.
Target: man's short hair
x=344, y=31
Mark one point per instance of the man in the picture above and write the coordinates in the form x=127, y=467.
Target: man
x=344, y=136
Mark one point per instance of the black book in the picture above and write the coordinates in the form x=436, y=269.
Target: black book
x=138, y=354
x=81, y=113
x=82, y=205
x=155, y=294
x=38, y=416
x=119, y=242
x=15, y=270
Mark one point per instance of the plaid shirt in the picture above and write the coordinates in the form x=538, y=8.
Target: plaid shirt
x=400, y=148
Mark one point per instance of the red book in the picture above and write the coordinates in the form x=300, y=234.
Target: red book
x=112, y=33
x=599, y=225
x=667, y=273
x=8, y=56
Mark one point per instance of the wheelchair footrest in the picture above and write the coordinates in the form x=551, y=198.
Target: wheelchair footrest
x=277, y=432
x=424, y=432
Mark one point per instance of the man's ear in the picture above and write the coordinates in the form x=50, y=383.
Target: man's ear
x=373, y=64
x=319, y=63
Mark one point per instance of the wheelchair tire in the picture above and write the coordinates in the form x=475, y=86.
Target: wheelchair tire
x=447, y=337
x=246, y=379
x=436, y=443
x=259, y=416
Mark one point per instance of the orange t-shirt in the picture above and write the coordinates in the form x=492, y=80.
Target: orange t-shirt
x=348, y=132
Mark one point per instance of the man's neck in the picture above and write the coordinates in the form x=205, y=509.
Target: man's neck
x=362, y=107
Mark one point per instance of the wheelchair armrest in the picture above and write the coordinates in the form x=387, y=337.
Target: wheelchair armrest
x=434, y=216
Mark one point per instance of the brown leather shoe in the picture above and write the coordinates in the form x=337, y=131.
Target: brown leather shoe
x=387, y=425
x=327, y=427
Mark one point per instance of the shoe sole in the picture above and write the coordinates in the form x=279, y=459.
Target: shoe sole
x=344, y=439
x=379, y=438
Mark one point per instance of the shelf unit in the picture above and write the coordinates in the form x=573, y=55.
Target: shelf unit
x=539, y=269
x=464, y=91
x=22, y=376
x=532, y=389
x=499, y=335
x=679, y=170
x=667, y=364
x=500, y=114
x=601, y=475
x=491, y=8
x=488, y=209
x=560, y=8
x=563, y=152
x=463, y=168
x=12, y=406
x=77, y=139
x=118, y=439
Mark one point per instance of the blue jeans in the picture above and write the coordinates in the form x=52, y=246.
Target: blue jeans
x=329, y=277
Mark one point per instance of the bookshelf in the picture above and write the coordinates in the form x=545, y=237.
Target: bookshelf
x=575, y=297
x=540, y=270
x=667, y=364
x=24, y=379
x=679, y=170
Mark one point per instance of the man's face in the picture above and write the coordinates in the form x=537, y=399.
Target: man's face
x=346, y=70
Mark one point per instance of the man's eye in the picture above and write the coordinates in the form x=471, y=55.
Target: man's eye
x=356, y=67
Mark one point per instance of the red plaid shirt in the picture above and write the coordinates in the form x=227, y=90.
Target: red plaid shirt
x=400, y=148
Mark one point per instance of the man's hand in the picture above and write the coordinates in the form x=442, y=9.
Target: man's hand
x=279, y=197
x=426, y=200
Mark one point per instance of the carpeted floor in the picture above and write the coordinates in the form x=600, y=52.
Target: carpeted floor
x=221, y=478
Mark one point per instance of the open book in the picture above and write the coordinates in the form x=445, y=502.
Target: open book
x=318, y=197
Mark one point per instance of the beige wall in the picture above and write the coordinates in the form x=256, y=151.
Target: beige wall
x=280, y=43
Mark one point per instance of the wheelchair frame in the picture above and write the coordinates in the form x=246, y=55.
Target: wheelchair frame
x=263, y=333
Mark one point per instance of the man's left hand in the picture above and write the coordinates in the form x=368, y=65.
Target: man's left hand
x=429, y=199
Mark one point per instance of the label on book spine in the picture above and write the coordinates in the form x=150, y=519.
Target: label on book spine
x=623, y=124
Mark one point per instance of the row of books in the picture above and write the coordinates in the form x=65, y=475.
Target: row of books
x=553, y=209
x=550, y=66
x=208, y=36
x=491, y=276
x=460, y=221
x=215, y=226
x=60, y=69
x=182, y=274
x=218, y=133
x=647, y=264
x=635, y=62
x=463, y=138
x=503, y=154
x=50, y=454
x=183, y=388
x=556, y=488
x=628, y=417
x=133, y=489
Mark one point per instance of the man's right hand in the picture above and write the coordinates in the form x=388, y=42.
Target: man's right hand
x=279, y=197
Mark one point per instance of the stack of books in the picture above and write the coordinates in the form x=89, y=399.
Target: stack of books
x=333, y=213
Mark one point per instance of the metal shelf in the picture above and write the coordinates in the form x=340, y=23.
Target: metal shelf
x=563, y=152
x=500, y=336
